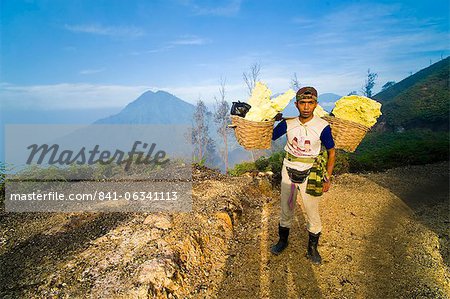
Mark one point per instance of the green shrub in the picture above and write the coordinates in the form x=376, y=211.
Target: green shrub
x=272, y=163
x=377, y=152
x=106, y=171
x=262, y=164
x=342, y=162
x=381, y=151
x=276, y=162
x=241, y=168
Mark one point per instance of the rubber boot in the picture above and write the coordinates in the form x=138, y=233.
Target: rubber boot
x=283, y=232
x=313, y=254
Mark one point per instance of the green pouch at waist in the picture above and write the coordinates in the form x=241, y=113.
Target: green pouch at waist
x=314, y=186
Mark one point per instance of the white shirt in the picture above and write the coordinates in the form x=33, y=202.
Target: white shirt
x=303, y=140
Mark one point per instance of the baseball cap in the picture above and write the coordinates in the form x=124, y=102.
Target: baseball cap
x=306, y=92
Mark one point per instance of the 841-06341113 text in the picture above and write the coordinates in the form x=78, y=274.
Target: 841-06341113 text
x=97, y=195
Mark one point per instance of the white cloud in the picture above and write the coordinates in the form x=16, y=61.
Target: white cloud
x=114, y=31
x=185, y=40
x=387, y=26
x=383, y=37
x=206, y=91
x=151, y=51
x=70, y=48
x=190, y=40
x=304, y=22
x=67, y=96
x=85, y=96
x=217, y=8
x=91, y=71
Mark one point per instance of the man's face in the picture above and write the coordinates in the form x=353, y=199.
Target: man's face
x=306, y=107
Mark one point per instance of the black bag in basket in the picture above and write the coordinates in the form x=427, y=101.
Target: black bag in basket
x=240, y=109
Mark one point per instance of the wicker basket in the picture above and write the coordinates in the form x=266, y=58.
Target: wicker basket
x=252, y=134
x=347, y=134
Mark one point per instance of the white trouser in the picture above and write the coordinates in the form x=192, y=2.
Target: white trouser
x=310, y=204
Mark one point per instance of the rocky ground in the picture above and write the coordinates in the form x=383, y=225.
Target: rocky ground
x=385, y=235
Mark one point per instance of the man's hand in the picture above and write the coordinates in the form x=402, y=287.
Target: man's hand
x=279, y=117
x=326, y=186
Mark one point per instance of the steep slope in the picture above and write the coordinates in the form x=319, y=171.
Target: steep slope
x=393, y=91
x=419, y=101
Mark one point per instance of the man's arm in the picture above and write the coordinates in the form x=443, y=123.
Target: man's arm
x=327, y=140
x=279, y=130
x=330, y=165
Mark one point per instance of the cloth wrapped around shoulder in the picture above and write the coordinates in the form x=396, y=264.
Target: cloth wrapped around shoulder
x=314, y=186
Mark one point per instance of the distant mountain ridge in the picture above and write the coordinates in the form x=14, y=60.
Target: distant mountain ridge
x=328, y=97
x=419, y=101
x=153, y=108
x=327, y=100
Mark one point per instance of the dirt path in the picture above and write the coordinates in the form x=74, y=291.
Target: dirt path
x=373, y=244
x=384, y=236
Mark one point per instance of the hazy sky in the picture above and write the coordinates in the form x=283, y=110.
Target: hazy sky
x=82, y=54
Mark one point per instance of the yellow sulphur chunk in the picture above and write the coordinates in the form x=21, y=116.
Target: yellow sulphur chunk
x=261, y=113
x=319, y=111
x=260, y=95
x=281, y=101
x=262, y=107
x=358, y=109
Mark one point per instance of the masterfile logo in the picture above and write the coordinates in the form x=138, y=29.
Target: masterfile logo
x=67, y=168
x=55, y=156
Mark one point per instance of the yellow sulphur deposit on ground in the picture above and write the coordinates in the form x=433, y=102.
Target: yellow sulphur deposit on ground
x=358, y=109
x=262, y=107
